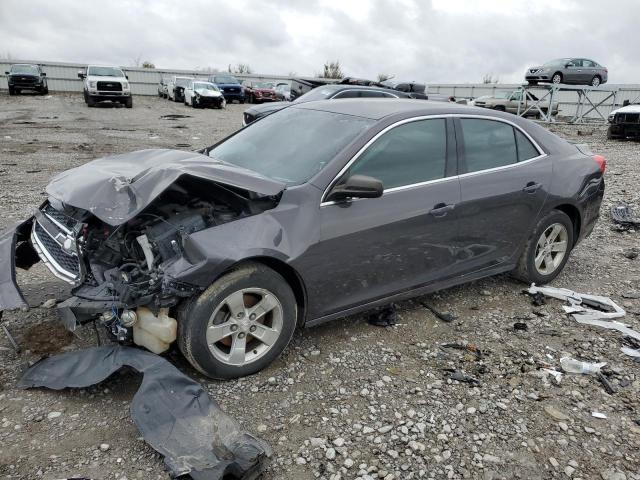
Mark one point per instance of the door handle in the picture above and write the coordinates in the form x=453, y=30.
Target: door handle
x=531, y=187
x=441, y=209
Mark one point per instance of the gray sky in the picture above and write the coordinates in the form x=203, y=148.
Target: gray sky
x=432, y=41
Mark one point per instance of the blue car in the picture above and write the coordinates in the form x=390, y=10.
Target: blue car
x=229, y=86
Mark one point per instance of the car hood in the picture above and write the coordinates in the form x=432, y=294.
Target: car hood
x=97, y=78
x=117, y=188
x=627, y=109
x=267, y=108
x=205, y=92
x=24, y=75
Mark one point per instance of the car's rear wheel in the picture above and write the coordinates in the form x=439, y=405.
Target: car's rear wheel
x=240, y=324
x=547, y=250
x=556, y=78
x=595, y=81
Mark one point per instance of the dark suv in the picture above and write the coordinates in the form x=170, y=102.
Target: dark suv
x=26, y=77
x=229, y=86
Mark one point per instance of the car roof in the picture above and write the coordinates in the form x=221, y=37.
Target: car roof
x=377, y=108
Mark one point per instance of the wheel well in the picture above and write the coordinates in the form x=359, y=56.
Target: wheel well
x=291, y=276
x=557, y=73
x=574, y=214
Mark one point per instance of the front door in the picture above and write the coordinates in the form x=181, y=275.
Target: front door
x=372, y=248
x=503, y=184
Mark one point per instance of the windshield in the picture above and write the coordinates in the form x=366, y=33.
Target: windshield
x=183, y=81
x=502, y=94
x=29, y=69
x=291, y=145
x=315, y=94
x=263, y=85
x=205, y=86
x=557, y=61
x=105, y=72
x=225, y=79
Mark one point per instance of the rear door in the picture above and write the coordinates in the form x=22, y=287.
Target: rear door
x=504, y=182
x=372, y=248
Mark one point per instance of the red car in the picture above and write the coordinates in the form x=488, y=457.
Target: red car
x=258, y=92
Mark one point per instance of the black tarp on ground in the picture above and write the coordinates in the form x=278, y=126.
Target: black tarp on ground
x=173, y=412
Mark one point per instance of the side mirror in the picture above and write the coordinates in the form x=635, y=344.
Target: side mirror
x=81, y=75
x=357, y=186
x=126, y=76
x=6, y=73
x=568, y=65
x=44, y=74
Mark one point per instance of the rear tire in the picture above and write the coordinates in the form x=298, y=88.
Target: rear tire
x=199, y=317
x=543, y=257
x=596, y=81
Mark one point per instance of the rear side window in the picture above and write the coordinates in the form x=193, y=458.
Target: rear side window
x=526, y=150
x=348, y=94
x=411, y=153
x=488, y=144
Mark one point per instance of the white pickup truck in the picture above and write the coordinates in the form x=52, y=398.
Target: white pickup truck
x=106, y=83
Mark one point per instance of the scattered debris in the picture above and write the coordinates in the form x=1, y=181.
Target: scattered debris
x=183, y=145
x=631, y=253
x=384, y=317
x=32, y=171
x=556, y=414
x=598, y=415
x=12, y=340
x=468, y=348
x=461, y=377
x=571, y=365
x=444, y=316
x=623, y=214
x=520, y=326
x=605, y=383
x=173, y=116
x=631, y=295
x=557, y=376
x=173, y=412
x=537, y=299
x=49, y=303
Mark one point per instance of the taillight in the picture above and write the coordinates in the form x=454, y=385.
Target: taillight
x=601, y=161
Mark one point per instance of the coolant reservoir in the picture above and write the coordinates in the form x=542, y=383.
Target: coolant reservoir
x=154, y=333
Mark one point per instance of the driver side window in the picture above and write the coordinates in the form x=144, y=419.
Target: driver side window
x=411, y=153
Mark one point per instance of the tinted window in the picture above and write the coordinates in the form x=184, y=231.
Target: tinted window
x=488, y=144
x=526, y=150
x=411, y=153
x=291, y=145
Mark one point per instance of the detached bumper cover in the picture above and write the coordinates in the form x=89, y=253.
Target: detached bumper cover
x=15, y=251
x=173, y=412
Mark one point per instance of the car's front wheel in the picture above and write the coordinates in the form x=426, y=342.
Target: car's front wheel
x=547, y=250
x=240, y=324
x=557, y=78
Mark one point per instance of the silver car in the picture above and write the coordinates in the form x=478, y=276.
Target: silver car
x=578, y=71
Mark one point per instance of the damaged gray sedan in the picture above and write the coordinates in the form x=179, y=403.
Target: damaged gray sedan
x=318, y=211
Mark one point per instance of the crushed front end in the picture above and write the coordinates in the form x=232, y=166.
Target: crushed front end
x=117, y=248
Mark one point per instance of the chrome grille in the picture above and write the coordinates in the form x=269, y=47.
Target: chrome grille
x=50, y=244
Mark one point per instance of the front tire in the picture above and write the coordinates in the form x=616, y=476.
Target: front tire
x=556, y=78
x=128, y=102
x=12, y=91
x=547, y=250
x=240, y=324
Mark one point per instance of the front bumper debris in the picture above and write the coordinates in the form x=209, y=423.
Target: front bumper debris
x=174, y=414
x=15, y=251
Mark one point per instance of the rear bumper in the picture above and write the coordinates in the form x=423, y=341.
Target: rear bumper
x=591, y=202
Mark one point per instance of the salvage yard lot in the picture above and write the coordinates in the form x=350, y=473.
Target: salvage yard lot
x=346, y=398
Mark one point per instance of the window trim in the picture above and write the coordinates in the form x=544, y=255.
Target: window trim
x=335, y=95
x=457, y=130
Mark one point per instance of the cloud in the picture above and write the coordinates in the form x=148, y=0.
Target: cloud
x=438, y=41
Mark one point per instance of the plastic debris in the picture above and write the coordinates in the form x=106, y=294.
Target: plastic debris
x=520, y=326
x=571, y=365
x=622, y=214
x=461, y=377
x=598, y=415
x=384, y=317
x=174, y=413
x=479, y=353
x=445, y=317
x=557, y=376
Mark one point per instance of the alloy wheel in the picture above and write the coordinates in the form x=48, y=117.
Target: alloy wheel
x=595, y=82
x=551, y=249
x=245, y=326
x=556, y=78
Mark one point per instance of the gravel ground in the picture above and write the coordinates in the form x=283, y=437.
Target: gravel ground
x=347, y=399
